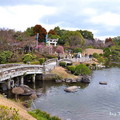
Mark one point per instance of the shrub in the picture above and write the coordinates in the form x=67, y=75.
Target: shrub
x=88, y=65
x=15, y=58
x=41, y=61
x=9, y=113
x=107, y=52
x=101, y=54
x=90, y=46
x=71, y=68
x=82, y=70
x=101, y=60
x=40, y=115
x=77, y=50
x=63, y=64
x=28, y=58
x=49, y=56
x=5, y=56
x=95, y=55
x=94, y=64
x=35, y=63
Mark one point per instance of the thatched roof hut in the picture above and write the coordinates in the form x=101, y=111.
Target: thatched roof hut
x=90, y=51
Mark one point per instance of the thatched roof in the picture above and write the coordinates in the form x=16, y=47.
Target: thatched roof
x=90, y=51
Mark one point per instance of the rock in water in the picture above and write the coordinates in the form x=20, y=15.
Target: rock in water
x=71, y=89
x=103, y=83
x=27, y=90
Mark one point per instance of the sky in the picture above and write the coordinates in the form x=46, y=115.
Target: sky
x=101, y=17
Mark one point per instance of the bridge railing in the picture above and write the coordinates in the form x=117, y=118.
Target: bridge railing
x=2, y=66
x=21, y=66
x=50, y=60
x=69, y=60
x=20, y=71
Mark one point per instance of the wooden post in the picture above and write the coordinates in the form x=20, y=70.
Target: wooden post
x=33, y=78
x=44, y=71
x=8, y=84
x=22, y=80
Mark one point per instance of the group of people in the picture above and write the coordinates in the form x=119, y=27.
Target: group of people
x=78, y=55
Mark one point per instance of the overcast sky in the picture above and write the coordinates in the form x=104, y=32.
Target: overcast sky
x=102, y=17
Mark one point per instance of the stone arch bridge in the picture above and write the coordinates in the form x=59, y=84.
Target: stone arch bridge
x=10, y=72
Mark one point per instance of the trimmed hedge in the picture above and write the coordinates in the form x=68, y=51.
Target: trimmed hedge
x=41, y=61
x=71, y=68
x=63, y=64
x=82, y=70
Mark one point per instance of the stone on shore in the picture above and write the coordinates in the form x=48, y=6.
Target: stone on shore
x=85, y=79
x=79, y=79
x=58, y=81
x=68, y=80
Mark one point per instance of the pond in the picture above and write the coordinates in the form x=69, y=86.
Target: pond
x=90, y=102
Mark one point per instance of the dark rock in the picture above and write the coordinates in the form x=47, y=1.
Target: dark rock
x=4, y=87
x=85, y=79
x=103, y=83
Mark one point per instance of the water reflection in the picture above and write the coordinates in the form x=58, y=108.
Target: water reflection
x=91, y=102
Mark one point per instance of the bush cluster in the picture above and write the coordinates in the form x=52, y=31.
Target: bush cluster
x=41, y=60
x=28, y=58
x=80, y=69
x=63, y=64
x=9, y=113
x=71, y=68
x=5, y=56
x=99, y=58
x=77, y=50
x=49, y=56
x=40, y=115
x=95, y=55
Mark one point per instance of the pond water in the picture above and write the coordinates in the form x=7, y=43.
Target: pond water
x=90, y=102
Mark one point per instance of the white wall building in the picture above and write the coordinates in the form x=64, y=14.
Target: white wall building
x=52, y=41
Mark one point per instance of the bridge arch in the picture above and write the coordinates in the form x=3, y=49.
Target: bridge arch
x=66, y=60
x=9, y=72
